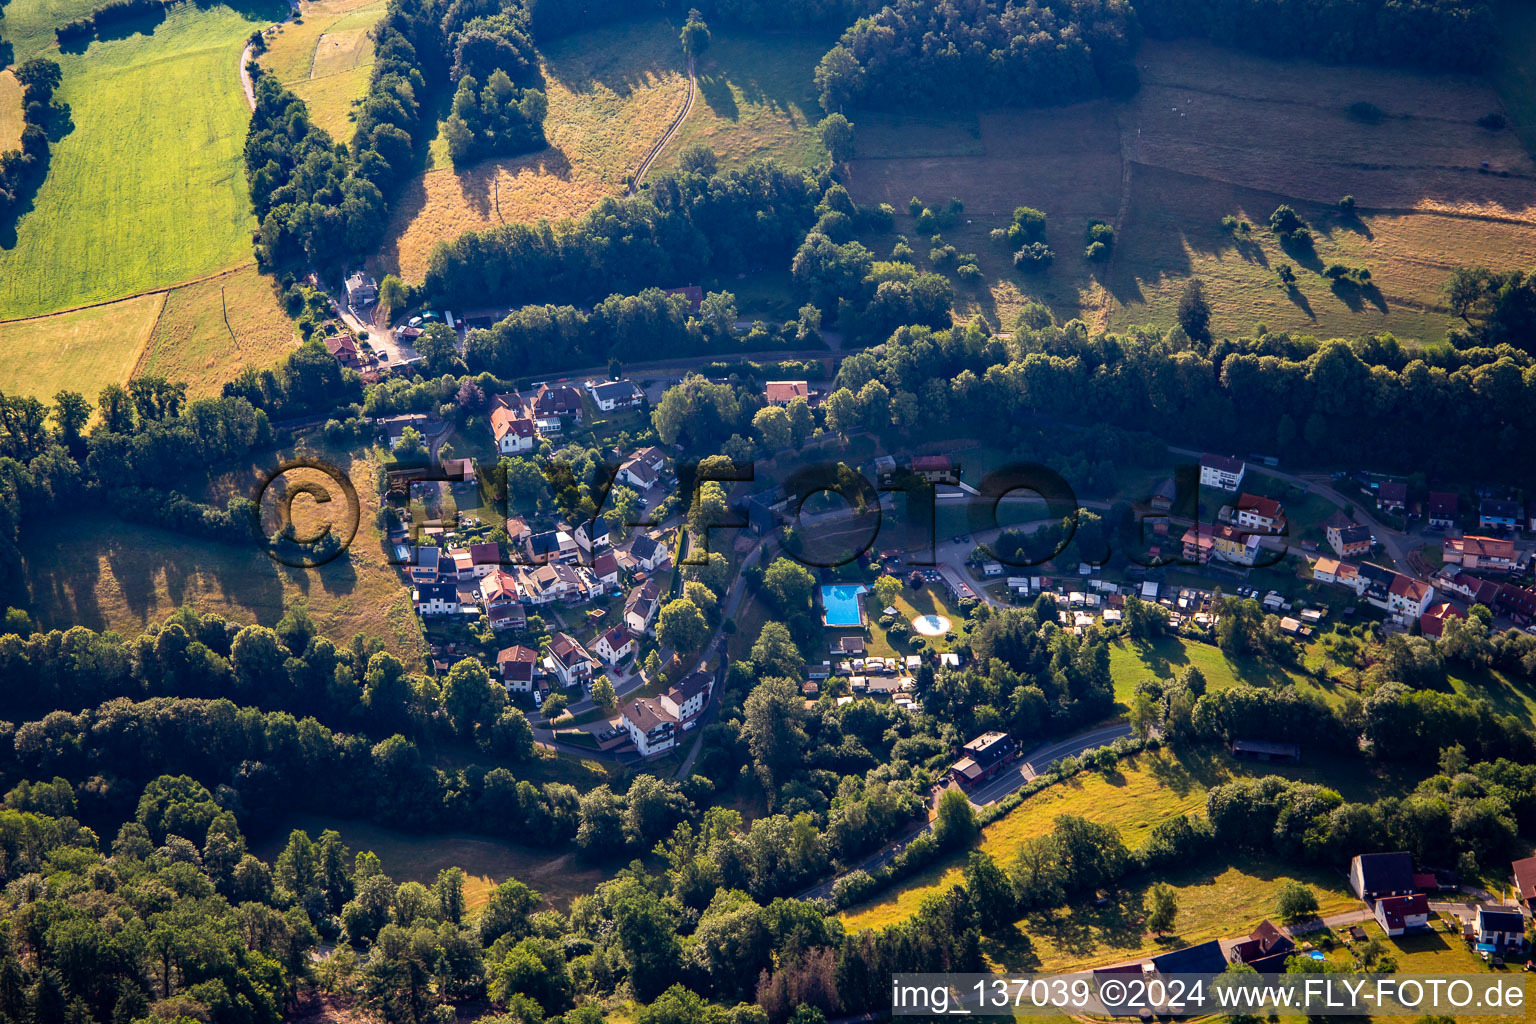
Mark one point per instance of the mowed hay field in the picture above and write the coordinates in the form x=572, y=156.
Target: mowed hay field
x=1143, y=791
x=209, y=331
x=1215, y=132
x=612, y=92
x=99, y=571
x=148, y=189
x=486, y=863
x=1064, y=161
x=82, y=351
x=757, y=100
x=10, y=112
x=325, y=58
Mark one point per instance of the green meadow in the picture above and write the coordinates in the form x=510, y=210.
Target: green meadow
x=148, y=188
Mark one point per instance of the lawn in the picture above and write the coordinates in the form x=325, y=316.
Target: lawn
x=1143, y=791
x=909, y=603
x=93, y=569
x=612, y=92
x=209, y=331
x=10, y=112
x=757, y=100
x=486, y=863
x=1131, y=661
x=83, y=351
x=148, y=189
x=325, y=59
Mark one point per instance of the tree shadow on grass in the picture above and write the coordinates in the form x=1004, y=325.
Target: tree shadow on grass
x=716, y=90
x=1300, y=301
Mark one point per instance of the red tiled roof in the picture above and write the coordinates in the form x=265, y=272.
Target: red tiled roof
x=1525, y=878
x=1269, y=508
x=1396, y=909
x=784, y=391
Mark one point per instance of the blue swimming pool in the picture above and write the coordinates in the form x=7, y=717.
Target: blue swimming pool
x=840, y=604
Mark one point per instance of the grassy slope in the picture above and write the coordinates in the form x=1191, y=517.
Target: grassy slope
x=485, y=862
x=192, y=341
x=325, y=58
x=96, y=570
x=148, y=188
x=612, y=92
x=1514, y=67
x=1130, y=662
x=10, y=112
x=1201, y=140
x=756, y=100
x=29, y=24
x=83, y=351
x=1212, y=904
x=1143, y=792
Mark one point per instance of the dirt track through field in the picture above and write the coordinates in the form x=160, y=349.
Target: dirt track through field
x=667, y=136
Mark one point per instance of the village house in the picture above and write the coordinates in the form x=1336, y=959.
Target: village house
x=651, y=728
x=516, y=665
x=782, y=392
x=512, y=431
x=553, y=582
x=1472, y=589
x=1441, y=510
x=686, y=700
x=570, y=661
x=1499, y=927
x=1498, y=514
x=1432, y=622
x=647, y=552
x=692, y=294
x=1230, y=544
x=1375, y=875
x=1399, y=915
x=344, y=350
x=436, y=599
x=614, y=645
x=553, y=405
x=1222, y=471
x=1253, y=512
x=1530, y=516
x=936, y=469
x=552, y=546
x=605, y=571
x=611, y=395
x=1265, y=949
x=1396, y=594
x=642, y=469
x=424, y=568
x=1473, y=552
x=1391, y=496
x=1348, y=538
x=362, y=290
x=983, y=757
x=640, y=607
x=1524, y=872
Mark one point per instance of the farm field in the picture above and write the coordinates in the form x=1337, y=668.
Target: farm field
x=29, y=24
x=209, y=331
x=757, y=100
x=325, y=58
x=486, y=862
x=82, y=351
x=10, y=112
x=96, y=570
x=147, y=190
x=1140, y=793
x=1198, y=142
x=612, y=92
